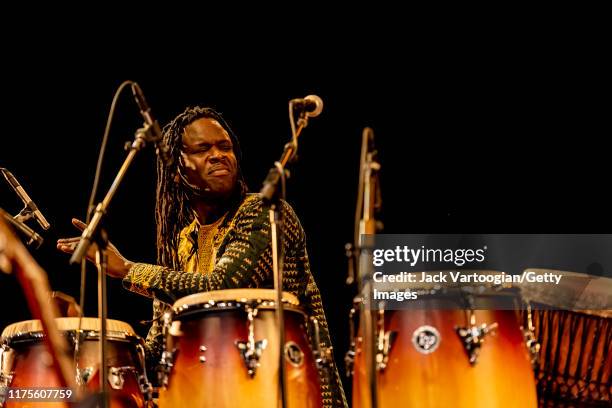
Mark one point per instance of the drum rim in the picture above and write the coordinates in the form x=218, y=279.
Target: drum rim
x=68, y=324
x=34, y=336
x=198, y=308
x=241, y=295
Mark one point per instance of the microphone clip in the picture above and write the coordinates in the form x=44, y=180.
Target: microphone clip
x=25, y=214
x=148, y=133
x=32, y=237
x=151, y=133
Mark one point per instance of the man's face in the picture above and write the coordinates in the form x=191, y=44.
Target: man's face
x=209, y=157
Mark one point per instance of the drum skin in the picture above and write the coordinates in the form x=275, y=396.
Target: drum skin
x=501, y=378
x=222, y=381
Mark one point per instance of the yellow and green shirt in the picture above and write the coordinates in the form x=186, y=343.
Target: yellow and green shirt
x=236, y=253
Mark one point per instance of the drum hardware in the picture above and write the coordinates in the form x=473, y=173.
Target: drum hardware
x=251, y=350
x=532, y=345
x=165, y=366
x=294, y=354
x=6, y=378
x=167, y=359
x=223, y=305
x=473, y=336
x=143, y=381
x=145, y=387
x=530, y=338
x=26, y=337
x=351, y=254
x=323, y=355
x=116, y=379
x=93, y=335
x=3, y=392
x=349, y=358
x=202, y=350
x=384, y=343
x=83, y=375
x=115, y=376
x=7, y=355
x=72, y=336
x=76, y=338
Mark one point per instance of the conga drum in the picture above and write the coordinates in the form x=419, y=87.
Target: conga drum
x=222, y=347
x=26, y=363
x=438, y=353
x=572, y=323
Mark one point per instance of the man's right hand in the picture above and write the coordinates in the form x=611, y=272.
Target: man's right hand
x=118, y=266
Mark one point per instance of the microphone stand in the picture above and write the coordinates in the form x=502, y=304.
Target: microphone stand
x=271, y=194
x=94, y=233
x=368, y=204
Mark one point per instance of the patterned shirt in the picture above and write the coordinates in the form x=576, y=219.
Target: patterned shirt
x=236, y=253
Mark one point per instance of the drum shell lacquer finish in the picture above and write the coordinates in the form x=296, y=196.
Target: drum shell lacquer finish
x=26, y=356
x=501, y=377
x=209, y=371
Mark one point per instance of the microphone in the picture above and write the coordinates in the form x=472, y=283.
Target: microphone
x=26, y=199
x=311, y=105
x=145, y=111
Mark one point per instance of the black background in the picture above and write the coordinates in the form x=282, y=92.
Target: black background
x=494, y=139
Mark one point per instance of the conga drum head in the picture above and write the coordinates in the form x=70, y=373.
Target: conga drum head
x=34, y=329
x=233, y=297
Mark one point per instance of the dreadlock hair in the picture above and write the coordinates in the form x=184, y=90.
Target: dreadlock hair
x=173, y=210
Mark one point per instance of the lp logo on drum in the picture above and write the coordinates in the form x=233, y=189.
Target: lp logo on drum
x=294, y=354
x=426, y=339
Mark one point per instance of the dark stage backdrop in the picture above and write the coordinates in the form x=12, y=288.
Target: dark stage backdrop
x=463, y=149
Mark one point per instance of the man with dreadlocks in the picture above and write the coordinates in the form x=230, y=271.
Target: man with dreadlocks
x=212, y=234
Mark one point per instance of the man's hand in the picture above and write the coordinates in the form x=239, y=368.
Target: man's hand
x=118, y=266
